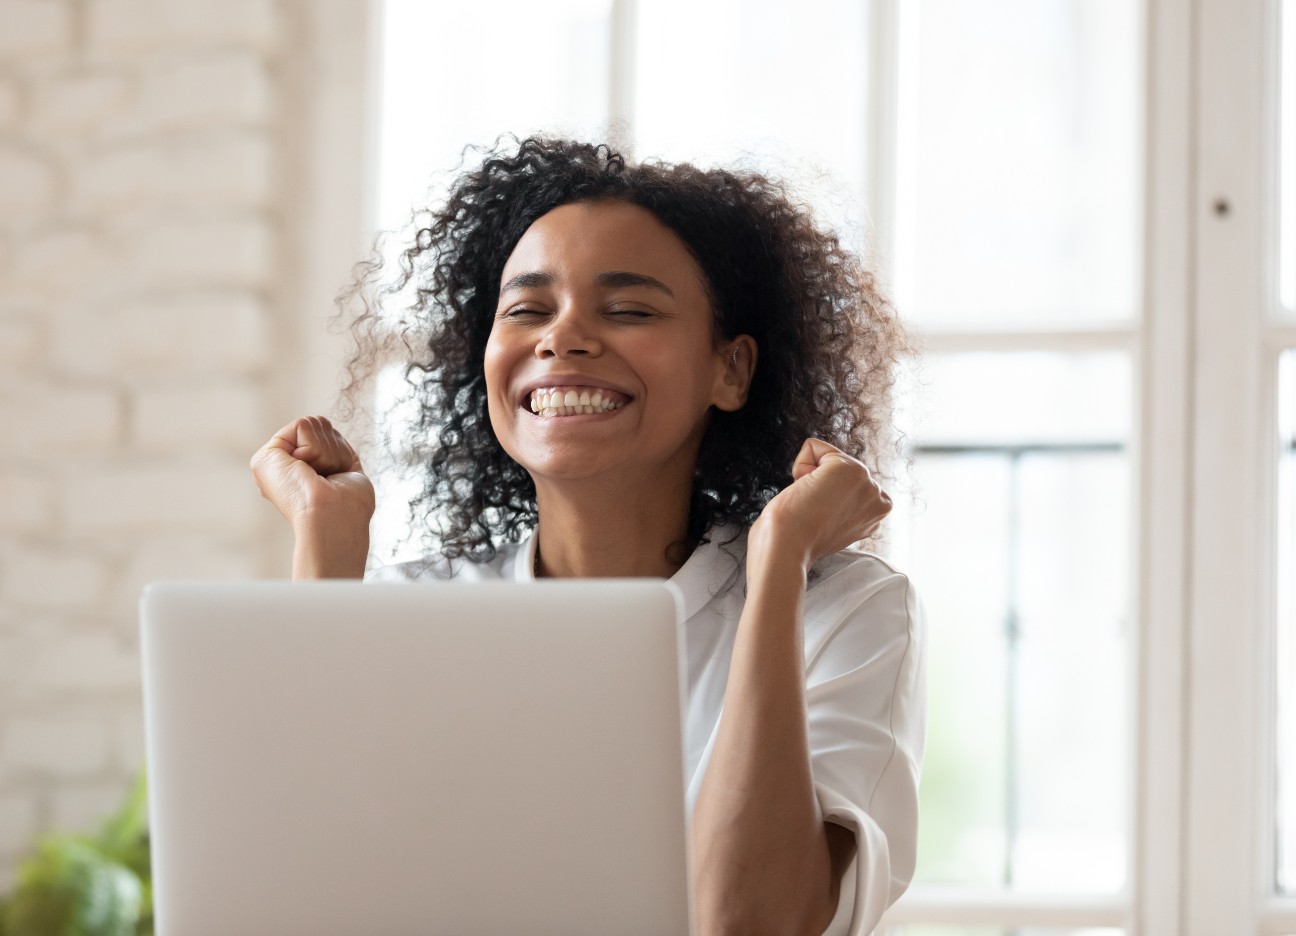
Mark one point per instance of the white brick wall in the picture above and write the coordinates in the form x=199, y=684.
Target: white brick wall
x=229, y=170
x=28, y=182
x=215, y=252
x=221, y=87
x=181, y=336
x=73, y=744
x=35, y=28
x=10, y=103
x=79, y=101
x=122, y=28
x=58, y=262
x=38, y=578
x=177, y=417
x=83, y=807
x=146, y=321
x=26, y=503
x=17, y=820
x=46, y=418
x=86, y=663
x=155, y=496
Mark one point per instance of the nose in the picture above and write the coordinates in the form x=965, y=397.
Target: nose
x=569, y=334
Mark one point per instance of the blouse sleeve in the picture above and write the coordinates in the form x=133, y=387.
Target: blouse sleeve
x=866, y=709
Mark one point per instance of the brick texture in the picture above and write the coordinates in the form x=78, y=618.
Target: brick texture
x=72, y=744
x=28, y=182
x=120, y=28
x=145, y=191
x=35, y=28
x=10, y=103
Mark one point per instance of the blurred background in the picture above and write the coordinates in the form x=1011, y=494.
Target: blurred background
x=1084, y=209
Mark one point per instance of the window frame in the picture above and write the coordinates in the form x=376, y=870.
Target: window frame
x=1205, y=353
x=1201, y=852
x=1157, y=451
x=1230, y=811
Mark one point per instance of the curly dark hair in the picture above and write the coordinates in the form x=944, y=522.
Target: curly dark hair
x=827, y=340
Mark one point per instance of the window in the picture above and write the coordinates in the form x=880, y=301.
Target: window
x=1285, y=526
x=1285, y=658
x=1017, y=247
x=1100, y=512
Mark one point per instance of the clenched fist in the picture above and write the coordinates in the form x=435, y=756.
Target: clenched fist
x=314, y=478
x=832, y=502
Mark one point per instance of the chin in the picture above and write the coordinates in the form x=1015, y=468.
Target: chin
x=561, y=470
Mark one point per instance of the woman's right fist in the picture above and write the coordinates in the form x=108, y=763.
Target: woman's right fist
x=309, y=470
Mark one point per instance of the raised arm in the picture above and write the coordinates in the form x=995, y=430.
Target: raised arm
x=765, y=860
x=314, y=478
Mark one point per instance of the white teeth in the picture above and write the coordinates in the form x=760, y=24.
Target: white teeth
x=571, y=402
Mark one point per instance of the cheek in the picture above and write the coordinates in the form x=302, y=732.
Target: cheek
x=495, y=368
x=686, y=374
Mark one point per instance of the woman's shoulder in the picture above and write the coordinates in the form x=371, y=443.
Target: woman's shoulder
x=851, y=568
x=851, y=580
x=860, y=609
x=848, y=571
x=503, y=566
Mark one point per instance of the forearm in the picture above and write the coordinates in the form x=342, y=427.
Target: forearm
x=760, y=853
x=328, y=547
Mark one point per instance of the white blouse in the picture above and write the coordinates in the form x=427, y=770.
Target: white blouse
x=865, y=693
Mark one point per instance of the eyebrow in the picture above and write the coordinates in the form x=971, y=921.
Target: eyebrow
x=612, y=278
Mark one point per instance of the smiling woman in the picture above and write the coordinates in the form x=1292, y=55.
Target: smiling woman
x=828, y=341
x=573, y=320
x=656, y=370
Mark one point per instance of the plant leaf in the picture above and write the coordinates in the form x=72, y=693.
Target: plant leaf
x=121, y=835
x=70, y=888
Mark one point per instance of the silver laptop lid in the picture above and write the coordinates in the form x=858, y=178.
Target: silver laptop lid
x=337, y=758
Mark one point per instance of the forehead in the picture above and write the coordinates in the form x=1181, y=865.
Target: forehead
x=581, y=239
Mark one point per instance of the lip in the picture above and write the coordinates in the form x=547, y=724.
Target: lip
x=567, y=380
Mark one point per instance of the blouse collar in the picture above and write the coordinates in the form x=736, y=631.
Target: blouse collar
x=711, y=567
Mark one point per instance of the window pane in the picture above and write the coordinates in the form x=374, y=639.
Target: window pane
x=1287, y=162
x=1286, y=644
x=1018, y=192
x=1019, y=397
x=1016, y=531
x=780, y=84
x=546, y=69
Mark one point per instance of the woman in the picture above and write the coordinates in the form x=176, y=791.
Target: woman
x=656, y=370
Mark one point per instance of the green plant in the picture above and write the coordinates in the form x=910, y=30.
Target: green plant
x=87, y=885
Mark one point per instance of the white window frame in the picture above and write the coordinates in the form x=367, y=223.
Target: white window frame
x=1157, y=451
x=1203, y=452
x=1204, y=460
x=1229, y=767
x=328, y=102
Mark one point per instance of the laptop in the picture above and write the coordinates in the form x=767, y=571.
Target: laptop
x=339, y=758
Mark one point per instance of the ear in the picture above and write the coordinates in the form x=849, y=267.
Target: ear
x=737, y=364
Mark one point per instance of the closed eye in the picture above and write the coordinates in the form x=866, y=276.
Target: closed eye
x=520, y=312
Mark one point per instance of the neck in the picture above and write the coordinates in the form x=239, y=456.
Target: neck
x=604, y=531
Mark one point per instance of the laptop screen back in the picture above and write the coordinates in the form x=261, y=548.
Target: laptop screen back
x=337, y=758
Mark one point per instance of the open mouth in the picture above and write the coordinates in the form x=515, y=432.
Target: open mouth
x=575, y=401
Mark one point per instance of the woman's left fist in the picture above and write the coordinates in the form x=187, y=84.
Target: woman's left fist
x=832, y=502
